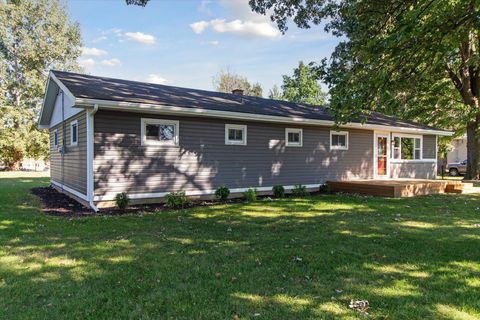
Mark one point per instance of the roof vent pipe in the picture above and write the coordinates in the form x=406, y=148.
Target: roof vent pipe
x=238, y=92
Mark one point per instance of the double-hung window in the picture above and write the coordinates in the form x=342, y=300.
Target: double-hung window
x=293, y=137
x=159, y=132
x=236, y=134
x=338, y=140
x=55, y=138
x=74, y=133
x=406, y=148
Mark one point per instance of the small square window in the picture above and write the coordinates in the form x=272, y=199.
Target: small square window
x=236, y=134
x=293, y=137
x=338, y=140
x=159, y=132
x=74, y=133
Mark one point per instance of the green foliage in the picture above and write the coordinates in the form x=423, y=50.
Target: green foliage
x=278, y=191
x=35, y=36
x=250, y=195
x=122, y=200
x=275, y=93
x=300, y=190
x=303, y=85
x=222, y=193
x=227, y=81
x=177, y=200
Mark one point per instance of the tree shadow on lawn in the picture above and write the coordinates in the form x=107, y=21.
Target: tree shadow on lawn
x=294, y=259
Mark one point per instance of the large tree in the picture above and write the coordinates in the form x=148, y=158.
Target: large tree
x=227, y=81
x=35, y=36
x=303, y=86
x=411, y=58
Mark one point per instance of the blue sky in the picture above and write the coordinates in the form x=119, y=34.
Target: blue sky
x=185, y=43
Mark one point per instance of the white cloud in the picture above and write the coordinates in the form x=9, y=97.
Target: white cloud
x=99, y=39
x=245, y=28
x=238, y=27
x=140, y=37
x=156, y=78
x=111, y=62
x=213, y=43
x=93, y=52
x=240, y=21
x=199, y=27
x=86, y=63
x=203, y=7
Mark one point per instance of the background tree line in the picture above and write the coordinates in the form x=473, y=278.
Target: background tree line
x=35, y=36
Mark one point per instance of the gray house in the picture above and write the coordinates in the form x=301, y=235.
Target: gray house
x=110, y=135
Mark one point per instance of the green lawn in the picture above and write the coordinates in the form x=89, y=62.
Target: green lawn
x=290, y=259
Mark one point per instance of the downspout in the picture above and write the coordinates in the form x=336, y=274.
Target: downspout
x=62, y=150
x=91, y=146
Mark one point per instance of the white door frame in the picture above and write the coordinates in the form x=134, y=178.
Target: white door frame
x=375, y=154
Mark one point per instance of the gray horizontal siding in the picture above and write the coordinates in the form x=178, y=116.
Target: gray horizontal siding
x=413, y=170
x=202, y=161
x=75, y=158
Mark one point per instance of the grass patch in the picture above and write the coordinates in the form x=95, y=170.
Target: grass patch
x=305, y=258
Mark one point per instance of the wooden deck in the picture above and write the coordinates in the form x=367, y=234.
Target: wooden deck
x=398, y=187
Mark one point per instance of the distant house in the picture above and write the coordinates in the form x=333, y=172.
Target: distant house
x=110, y=135
x=458, y=153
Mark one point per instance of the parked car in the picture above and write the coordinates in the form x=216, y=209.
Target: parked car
x=456, y=169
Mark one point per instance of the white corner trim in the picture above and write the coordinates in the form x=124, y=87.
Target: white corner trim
x=72, y=123
x=143, y=130
x=345, y=133
x=90, y=156
x=72, y=191
x=293, y=144
x=111, y=196
x=166, y=109
x=242, y=127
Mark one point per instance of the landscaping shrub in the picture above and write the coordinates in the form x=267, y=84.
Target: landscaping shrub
x=222, y=193
x=299, y=190
x=278, y=191
x=324, y=188
x=250, y=195
x=122, y=200
x=177, y=200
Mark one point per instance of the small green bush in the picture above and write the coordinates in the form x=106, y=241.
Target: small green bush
x=177, y=200
x=222, y=193
x=324, y=188
x=250, y=195
x=299, y=190
x=122, y=200
x=278, y=191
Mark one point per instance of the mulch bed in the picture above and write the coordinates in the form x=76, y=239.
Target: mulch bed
x=58, y=204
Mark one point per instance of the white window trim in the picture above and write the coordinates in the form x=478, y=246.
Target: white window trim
x=293, y=144
x=143, y=130
x=55, y=143
x=332, y=132
x=237, y=127
x=72, y=143
x=405, y=135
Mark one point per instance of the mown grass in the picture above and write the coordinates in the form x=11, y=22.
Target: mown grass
x=288, y=259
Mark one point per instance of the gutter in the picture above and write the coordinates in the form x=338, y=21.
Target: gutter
x=183, y=111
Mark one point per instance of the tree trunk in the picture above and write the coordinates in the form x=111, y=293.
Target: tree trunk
x=473, y=146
